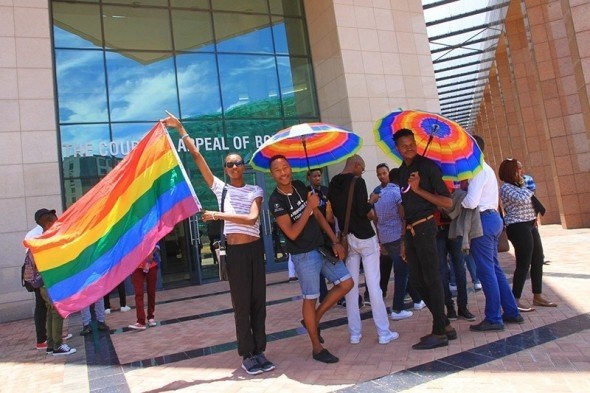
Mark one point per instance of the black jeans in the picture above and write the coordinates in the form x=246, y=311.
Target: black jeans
x=400, y=277
x=122, y=297
x=452, y=247
x=422, y=256
x=528, y=251
x=247, y=285
x=385, y=265
x=40, y=317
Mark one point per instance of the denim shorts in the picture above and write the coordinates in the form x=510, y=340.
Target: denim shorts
x=309, y=265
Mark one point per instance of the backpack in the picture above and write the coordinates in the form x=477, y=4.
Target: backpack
x=30, y=276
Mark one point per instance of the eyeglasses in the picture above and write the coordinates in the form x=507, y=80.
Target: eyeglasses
x=231, y=164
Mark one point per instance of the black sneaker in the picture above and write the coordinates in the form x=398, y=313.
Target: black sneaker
x=466, y=314
x=86, y=330
x=517, y=319
x=324, y=356
x=49, y=351
x=485, y=326
x=264, y=363
x=64, y=349
x=451, y=314
x=103, y=327
x=251, y=366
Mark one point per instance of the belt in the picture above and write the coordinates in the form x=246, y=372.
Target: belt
x=410, y=227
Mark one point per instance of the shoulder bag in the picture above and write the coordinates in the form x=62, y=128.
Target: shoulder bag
x=220, y=250
x=343, y=238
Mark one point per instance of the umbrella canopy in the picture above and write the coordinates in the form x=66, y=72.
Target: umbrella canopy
x=438, y=138
x=307, y=145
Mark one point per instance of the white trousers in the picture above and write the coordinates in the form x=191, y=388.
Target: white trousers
x=368, y=250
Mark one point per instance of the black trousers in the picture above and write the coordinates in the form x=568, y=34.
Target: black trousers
x=385, y=265
x=422, y=256
x=247, y=284
x=40, y=317
x=528, y=251
x=122, y=297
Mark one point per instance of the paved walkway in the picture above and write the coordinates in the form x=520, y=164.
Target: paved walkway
x=193, y=347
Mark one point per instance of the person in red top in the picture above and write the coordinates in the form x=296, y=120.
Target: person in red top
x=147, y=271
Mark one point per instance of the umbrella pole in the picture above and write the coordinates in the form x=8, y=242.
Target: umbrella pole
x=307, y=160
x=435, y=127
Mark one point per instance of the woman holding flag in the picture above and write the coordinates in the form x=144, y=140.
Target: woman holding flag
x=245, y=251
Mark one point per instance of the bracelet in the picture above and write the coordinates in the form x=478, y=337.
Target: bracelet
x=185, y=136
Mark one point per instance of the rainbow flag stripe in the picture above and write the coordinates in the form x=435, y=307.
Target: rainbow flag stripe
x=103, y=237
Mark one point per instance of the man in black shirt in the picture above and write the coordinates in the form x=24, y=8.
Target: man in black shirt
x=362, y=243
x=296, y=213
x=423, y=190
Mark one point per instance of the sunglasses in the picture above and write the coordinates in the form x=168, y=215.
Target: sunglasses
x=231, y=164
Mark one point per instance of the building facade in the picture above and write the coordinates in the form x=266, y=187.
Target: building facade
x=82, y=81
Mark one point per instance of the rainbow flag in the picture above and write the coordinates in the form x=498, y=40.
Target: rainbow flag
x=103, y=237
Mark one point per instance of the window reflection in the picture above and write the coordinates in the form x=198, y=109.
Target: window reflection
x=240, y=6
x=203, y=4
x=295, y=75
x=249, y=86
x=83, y=140
x=192, y=31
x=289, y=35
x=140, y=92
x=81, y=86
x=198, y=85
x=243, y=33
x=285, y=7
x=76, y=25
x=126, y=136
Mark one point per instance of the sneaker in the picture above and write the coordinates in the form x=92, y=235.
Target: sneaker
x=517, y=319
x=466, y=314
x=137, y=326
x=66, y=336
x=125, y=308
x=451, y=314
x=419, y=306
x=251, y=366
x=367, y=299
x=64, y=349
x=86, y=330
x=485, y=326
x=324, y=356
x=355, y=339
x=107, y=310
x=403, y=314
x=49, y=351
x=103, y=327
x=264, y=363
x=42, y=345
x=477, y=286
x=152, y=323
x=387, y=338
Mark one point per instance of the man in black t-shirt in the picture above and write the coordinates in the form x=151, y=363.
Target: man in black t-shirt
x=362, y=243
x=296, y=213
x=423, y=190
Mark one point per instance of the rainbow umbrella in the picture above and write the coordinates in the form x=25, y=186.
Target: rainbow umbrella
x=307, y=145
x=438, y=138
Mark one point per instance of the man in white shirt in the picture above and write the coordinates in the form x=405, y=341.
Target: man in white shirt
x=483, y=195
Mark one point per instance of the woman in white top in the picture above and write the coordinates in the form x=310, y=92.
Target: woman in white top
x=245, y=251
x=521, y=228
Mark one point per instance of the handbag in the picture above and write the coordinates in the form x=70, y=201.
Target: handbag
x=503, y=245
x=538, y=206
x=220, y=250
x=343, y=237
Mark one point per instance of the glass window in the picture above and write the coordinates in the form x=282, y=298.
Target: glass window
x=82, y=140
x=81, y=86
x=202, y=4
x=162, y=3
x=76, y=25
x=126, y=136
x=193, y=31
x=285, y=7
x=297, y=93
x=137, y=28
x=249, y=86
x=248, y=135
x=198, y=85
x=243, y=33
x=139, y=91
x=240, y=6
x=289, y=35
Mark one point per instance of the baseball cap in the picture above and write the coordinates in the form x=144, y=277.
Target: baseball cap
x=41, y=212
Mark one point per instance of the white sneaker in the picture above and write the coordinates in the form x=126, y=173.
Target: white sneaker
x=477, y=286
x=107, y=310
x=356, y=339
x=419, y=306
x=387, y=338
x=403, y=314
x=152, y=323
x=125, y=308
x=137, y=326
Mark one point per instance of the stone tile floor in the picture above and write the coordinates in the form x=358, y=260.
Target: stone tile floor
x=193, y=347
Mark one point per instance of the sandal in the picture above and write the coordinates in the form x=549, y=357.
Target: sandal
x=543, y=303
